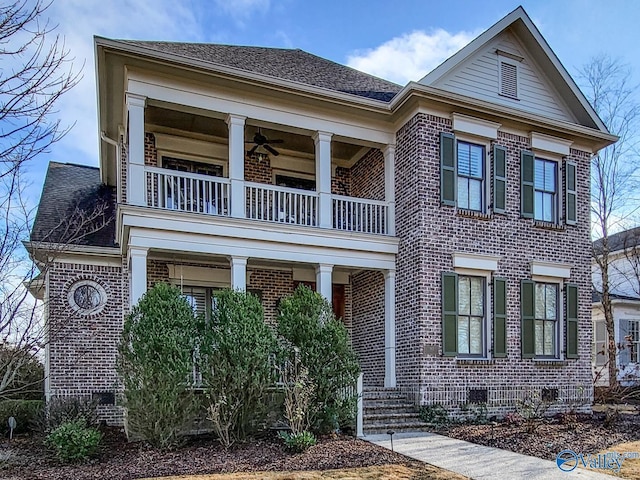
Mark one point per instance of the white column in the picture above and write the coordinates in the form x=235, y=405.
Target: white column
x=138, y=273
x=239, y=273
x=135, y=175
x=390, y=187
x=360, y=414
x=323, y=178
x=390, y=328
x=324, y=281
x=236, y=164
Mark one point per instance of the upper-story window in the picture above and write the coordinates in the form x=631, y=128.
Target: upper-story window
x=546, y=190
x=201, y=168
x=470, y=172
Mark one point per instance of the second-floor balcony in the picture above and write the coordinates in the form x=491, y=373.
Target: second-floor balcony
x=210, y=195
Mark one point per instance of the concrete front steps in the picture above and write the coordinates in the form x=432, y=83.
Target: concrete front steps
x=387, y=409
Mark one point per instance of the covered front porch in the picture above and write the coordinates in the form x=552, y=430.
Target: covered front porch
x=362, y=296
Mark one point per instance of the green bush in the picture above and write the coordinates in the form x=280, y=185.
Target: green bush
x=434, y=414
x=298, y=442
x=74, y=441
x=24, y=411
x=28, y=373
x=307, y=321
x=236, y=352
x=155, y=363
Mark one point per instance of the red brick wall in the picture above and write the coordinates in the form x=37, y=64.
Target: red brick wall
x=367, y=176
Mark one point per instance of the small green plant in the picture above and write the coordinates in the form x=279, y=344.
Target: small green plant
x=476, y=413
x=298, y=394
x=74, y=441
x=434, y=414
x=298, y=442
x=24, y=411
x=63, y=410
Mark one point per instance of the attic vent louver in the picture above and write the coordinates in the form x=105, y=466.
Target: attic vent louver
x=508, y=79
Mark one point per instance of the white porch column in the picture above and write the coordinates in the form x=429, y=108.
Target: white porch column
x=239, y=273
x=236, y=164
x=323, y=178
x=138, y=273
x=135, y=174
x=389, y=153
x=390, y=328
x=324, y=281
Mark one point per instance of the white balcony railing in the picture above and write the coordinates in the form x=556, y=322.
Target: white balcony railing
x=360, y=215
x=187, y=192
x=281, y=204
x=190, y=192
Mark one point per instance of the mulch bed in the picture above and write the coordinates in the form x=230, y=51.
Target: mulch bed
x=581, y=433
x=120, y=460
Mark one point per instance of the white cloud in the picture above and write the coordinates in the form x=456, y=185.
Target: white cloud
x=409, y=56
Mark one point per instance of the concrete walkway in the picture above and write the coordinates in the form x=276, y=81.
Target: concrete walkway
x=477, y=461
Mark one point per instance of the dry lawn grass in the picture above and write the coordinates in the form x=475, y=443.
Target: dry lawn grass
x=383, y=472
x=631, y=466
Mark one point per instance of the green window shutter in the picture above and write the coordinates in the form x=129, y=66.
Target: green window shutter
x=499, y=179
x=527, y=163
x=571, y=312
x=499, y=317
x=449, y=314
x=447, y=169
x=527, y=310
x=571, y=191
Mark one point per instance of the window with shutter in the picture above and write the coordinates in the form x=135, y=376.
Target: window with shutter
x=499, y=317
x=571, y=328
x=571, y=194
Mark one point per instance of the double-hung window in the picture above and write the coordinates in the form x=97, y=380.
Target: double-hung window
x=471, y=315
x=546, y=320
x=470, y=173
x=546, y=190
x=630, y=340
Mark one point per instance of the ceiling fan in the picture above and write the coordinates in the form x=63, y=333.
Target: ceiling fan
x=259, y=140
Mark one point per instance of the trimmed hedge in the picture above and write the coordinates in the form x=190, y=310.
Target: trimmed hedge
x=24, y=411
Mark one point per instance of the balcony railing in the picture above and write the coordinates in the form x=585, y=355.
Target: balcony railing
x=187, y=192
x=281, y=204
x=359, y=215
x=190, y=192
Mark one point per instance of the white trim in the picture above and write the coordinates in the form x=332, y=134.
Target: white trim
x=548, y=270
x=200, y=276
x=190, y=146
x=474, y=261
x=309, y=275
x=475, y=126
x=549, y=144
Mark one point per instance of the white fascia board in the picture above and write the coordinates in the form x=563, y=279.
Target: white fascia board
x=200, y=97
x=547, y=143
x=551, y=270
x=474, y=126
x=180, y=241
x=309, y=275
x=474, y=261
x=218, y=226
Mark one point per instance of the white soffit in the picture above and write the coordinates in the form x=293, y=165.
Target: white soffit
x=547, y=143
x=475, y=261
x=546, y=269
x=474, y=126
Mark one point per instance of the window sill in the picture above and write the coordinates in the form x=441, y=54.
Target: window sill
x=541, y=362
x=462, y=212
x=475, y=361
x=549, y=225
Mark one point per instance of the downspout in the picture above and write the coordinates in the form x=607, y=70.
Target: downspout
x=110, y=141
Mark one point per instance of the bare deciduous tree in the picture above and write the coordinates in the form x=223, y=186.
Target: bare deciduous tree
x=36, y=70
x=613, y=169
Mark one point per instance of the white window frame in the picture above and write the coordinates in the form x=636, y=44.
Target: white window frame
x=634, y=345
x=486, y=170
x=558, y=203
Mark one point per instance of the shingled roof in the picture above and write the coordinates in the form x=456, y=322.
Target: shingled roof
x=620, y=241
x=75, y=207
x=289, y=64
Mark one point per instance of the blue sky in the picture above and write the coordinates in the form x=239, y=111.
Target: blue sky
x=399, y=40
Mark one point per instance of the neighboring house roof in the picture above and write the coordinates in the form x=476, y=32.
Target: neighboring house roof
x=596, y=297
x=620, y=241
x=288, y=64
x=75, y=207
x=543, y=57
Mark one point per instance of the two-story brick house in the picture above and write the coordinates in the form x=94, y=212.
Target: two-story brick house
x=446, y=220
